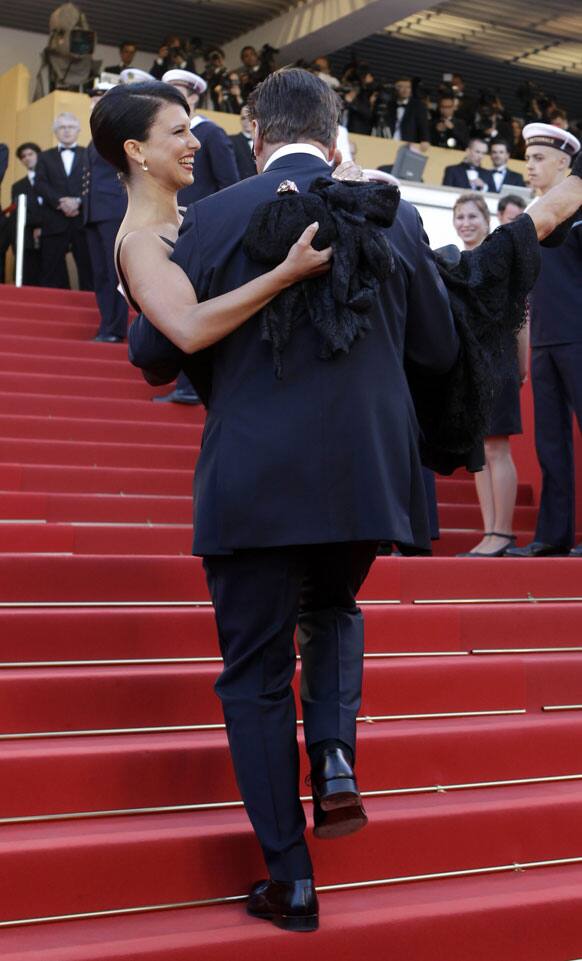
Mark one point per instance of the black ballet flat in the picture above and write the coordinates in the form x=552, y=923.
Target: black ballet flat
x=500, y=552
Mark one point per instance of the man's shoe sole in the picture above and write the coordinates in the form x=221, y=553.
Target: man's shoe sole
x=340, y=792
x=340, y=822
x=310, y=922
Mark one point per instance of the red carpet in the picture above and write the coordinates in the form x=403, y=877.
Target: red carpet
x=117, y=792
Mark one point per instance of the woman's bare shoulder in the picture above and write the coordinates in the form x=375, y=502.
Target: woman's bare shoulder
x=139, y=242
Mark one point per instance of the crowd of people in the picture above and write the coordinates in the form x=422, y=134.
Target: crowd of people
x=402, y=108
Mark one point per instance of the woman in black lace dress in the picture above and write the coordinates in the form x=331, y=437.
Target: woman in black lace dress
x=497, y=483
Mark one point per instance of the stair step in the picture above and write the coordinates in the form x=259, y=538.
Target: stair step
x=526, y=916
x=115, y=863
x=95, y=430
x=94, y=578
x=95, y=387
x=460, y=489
x=105, y=633
x=89, y=698
x=58, y=478
x=80, y=453
x=40, y=296
x=107, y=409
x=42, y=363
x=44, y=776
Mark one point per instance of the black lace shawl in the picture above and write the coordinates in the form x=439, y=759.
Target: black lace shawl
x=487, y=289
x=352, y=217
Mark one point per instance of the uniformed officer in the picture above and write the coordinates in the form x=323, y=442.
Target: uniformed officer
x=556, y=364
x=104, y=203
x=215, y=167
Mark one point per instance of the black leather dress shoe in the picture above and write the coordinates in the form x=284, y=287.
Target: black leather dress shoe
x=291, y=905
x=576, y=551
x=179, y=397
x=337, y=804
x=106, y=339
x=537, y=549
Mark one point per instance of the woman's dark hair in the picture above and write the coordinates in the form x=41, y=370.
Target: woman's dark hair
x=127, y=112
x=293, y=105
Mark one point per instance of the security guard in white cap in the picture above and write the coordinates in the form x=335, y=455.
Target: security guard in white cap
x=214, y=168
x=134, y=75
x=556, y=339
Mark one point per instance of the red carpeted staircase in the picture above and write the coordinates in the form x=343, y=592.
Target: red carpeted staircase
x=121, y=834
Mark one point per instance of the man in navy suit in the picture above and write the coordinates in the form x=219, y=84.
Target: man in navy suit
x=501, y=174
x=298, y=480
x=469, y=174
x=59, y=174
x=104, y=206
x=28, y=154
x=243, y=146
x=215, y=168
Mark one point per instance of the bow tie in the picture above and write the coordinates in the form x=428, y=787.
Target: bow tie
x=402, y=103
x=63, y=149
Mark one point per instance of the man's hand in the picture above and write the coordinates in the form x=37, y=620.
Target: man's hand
x=69, y=206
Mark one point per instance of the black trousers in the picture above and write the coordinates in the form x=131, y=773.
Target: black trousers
x=53, y=268
x=112, y=306
x=260, y=597
x=556, y=373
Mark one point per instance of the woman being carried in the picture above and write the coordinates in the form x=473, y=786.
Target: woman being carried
x=143, y=129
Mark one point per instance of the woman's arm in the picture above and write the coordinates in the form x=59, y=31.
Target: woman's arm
x=167, y=297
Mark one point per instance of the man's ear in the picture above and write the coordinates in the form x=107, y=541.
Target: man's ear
x=257, y=138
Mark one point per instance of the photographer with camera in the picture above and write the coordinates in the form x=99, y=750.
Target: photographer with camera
x=172, y=55
x=492, y=122
x=357, y=90
x=215, y=75
x=447, y=130
x=228, y=94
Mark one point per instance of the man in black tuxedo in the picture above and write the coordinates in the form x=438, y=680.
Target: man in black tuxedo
x=28, y=154
x=298, y=479
x=215, y=168
x=501, y=175
x=127, y=51
x=447, y=130
x=104, y=202
x=243, y=147
x=469, y=174
x=407, y=116
x=59, y=175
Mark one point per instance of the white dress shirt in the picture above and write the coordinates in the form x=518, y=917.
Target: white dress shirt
x=68, y=157
x=291, y=148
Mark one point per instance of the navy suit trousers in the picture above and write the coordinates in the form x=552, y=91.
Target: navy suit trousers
x=557, y=388
x=260, y=597
x=112, y=306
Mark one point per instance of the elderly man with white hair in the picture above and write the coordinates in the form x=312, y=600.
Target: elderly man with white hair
x=59, y=175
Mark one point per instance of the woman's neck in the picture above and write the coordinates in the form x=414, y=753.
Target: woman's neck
x=150, y=203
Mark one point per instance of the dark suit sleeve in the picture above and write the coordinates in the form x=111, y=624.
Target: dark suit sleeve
x=431, y=338
x=3, y=160
x=448, y=179
x=43, y=185
x=221, y=158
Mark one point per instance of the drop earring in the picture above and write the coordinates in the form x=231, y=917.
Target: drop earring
x=144, y=166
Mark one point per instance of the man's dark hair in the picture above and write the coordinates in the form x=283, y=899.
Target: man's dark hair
x=477, y=139
x=27, y=146
x=248, y=47
x=511, y=199
x=293, y=105
x=499, y=142
x=127, y=43
x=127, y=112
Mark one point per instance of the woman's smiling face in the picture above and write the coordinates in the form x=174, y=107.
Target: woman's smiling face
x=170, y=147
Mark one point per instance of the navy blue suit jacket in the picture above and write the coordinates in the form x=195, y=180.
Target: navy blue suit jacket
x=456, y=176
x=330, y=452
x=104, y=197
x=512, y=178
x=214, y=164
